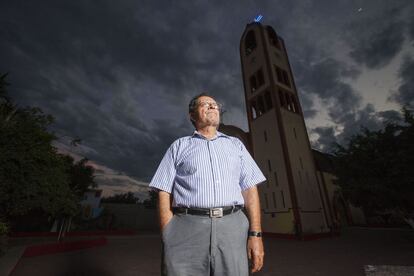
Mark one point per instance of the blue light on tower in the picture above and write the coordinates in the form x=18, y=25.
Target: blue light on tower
x=258, y=18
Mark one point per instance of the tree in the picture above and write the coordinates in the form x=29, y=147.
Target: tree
x=7, y=109
x=151, y=203
x=81, y=175
x=3, y=84
x=128, y=198
x=375, y=169
x=33, y=176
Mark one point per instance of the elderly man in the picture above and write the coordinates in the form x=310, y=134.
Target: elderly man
x=204, y=181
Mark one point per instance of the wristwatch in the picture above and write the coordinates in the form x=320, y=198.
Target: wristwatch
x=255, y=234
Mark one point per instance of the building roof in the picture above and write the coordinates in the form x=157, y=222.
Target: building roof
x=324, y=161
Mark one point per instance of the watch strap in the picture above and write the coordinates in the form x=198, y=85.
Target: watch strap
x=254, y=234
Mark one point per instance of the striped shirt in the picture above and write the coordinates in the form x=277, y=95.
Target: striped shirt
x=204, y=173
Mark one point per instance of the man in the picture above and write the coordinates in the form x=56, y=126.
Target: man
x=204, y=180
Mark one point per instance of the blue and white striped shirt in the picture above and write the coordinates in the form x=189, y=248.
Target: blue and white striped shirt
x=206, y=173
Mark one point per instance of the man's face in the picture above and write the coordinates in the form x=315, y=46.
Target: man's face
x=207, y=113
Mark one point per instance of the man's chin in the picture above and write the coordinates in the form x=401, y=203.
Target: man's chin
x=213, y=123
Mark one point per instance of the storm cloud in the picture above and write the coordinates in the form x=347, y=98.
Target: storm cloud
x=377, y=42
x=405, y=93
x=119, y=76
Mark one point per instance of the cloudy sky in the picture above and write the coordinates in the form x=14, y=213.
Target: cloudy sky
x=119, y=75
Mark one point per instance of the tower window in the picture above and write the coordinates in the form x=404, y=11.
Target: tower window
x=265, y=136
x=282, y=76
x=274, y=199
x=292, y=100
x=260, y=77
x=282, y=98
x=266, y=201
x=253, y=109
x=276, y=180
x=279, y=74
x=253, y=83
x=288, y=102
x=301, y=163
x=294, y=133
x=256, y=80
x=268, y=100
x=250, y=42
x=269, y=165
x=260, y=106
x=295, y=104
x=283, y=198
x=273, y=39
x=285, y=78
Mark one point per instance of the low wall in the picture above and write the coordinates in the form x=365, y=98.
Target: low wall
x=133, y=216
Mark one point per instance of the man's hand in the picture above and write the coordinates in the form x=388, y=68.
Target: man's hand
x=255, y=253
x=165, y=221
x=255, y=249
x=164, y=209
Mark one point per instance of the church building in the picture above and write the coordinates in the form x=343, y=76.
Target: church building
x=295, y=201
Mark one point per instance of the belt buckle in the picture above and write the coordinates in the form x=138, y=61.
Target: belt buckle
x=216, y=212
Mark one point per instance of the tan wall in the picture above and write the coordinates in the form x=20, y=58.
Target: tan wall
x=306, y=184
x=272, y=151
x=358, y=216
x=326, y=199
x=301, y=160
x=330, y=186
x=273, y=188
x=281, y=223
x=313, y=223
x=304, y=174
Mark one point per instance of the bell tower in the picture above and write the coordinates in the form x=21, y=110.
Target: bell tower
x=291, y=199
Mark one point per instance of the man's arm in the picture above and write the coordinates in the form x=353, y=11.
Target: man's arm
x=164, y=208
x=254, y=244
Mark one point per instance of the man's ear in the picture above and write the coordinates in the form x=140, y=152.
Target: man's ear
x=191, y=117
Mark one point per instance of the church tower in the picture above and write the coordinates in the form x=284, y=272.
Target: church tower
x=291, y=199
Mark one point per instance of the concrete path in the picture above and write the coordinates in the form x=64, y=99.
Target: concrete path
x=10, y=259
x=140, y=255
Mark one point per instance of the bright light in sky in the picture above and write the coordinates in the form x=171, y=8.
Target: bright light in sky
x=258, y=18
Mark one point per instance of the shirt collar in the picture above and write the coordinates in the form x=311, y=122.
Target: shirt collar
x=218, y=134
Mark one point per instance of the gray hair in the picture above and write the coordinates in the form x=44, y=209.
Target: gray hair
x=192, y=106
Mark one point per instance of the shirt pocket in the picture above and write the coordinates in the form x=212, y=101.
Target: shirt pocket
x=232, y=162
x=187, y=167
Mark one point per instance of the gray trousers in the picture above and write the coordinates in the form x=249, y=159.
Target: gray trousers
x=199, y=245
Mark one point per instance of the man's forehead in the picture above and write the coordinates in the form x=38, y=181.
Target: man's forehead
x=206, y=99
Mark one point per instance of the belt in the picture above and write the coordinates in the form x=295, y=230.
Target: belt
x=210, y=212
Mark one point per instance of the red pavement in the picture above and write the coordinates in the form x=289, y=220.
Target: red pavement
x=58, y=247
x=140, y=255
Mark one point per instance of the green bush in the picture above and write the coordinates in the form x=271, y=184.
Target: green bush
x=4, y=228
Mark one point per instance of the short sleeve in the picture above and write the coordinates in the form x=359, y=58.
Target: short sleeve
x=250, y=174
x=165, y=175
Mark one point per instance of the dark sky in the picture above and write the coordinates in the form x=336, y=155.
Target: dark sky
x=119, y=75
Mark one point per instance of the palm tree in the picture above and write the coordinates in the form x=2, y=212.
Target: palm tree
x=3, y=84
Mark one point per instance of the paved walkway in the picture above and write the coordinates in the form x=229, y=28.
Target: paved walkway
x=140, y=255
